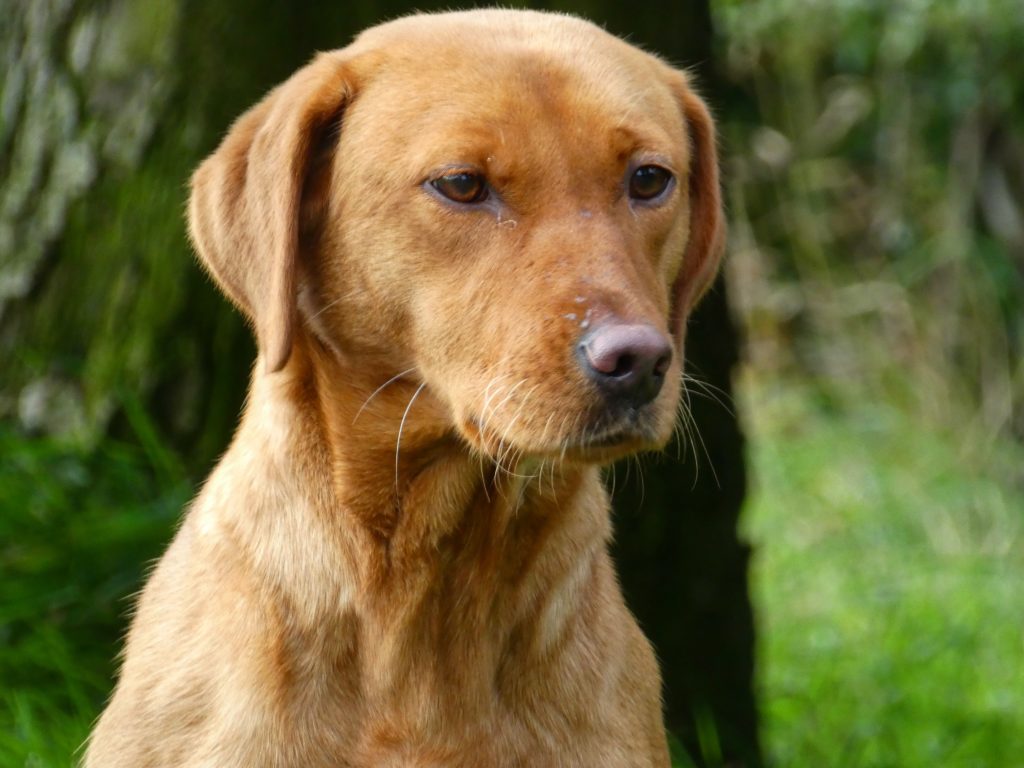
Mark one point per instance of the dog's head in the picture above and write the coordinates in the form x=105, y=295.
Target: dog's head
x=517, y=208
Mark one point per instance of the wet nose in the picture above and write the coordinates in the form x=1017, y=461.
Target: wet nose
x=627, y=362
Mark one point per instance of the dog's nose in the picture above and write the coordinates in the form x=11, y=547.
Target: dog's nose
x=628, y=362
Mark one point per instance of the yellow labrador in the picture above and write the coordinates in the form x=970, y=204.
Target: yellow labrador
x=468, y=244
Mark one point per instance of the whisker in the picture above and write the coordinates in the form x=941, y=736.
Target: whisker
x=681, y=427
x=379, y=389
x=508, y=396
x=704, y=448
x=606, y=478
x=483, y=478
x=485, y=408
x=686, y=423
x=634, y=459
x=510, y=450
x=709, y=391
x=565, y=443
x=401, y=426
x=327, y=306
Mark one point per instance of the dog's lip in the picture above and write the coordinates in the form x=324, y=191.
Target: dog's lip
x=609, y=439
x=614, y=441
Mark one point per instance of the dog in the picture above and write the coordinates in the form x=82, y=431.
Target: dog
x=468, y=244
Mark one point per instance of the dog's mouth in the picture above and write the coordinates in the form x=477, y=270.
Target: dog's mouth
x=600, y=441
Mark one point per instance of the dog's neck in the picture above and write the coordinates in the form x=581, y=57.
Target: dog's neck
x=453, y=559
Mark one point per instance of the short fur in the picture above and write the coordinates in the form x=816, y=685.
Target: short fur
x=401, y=559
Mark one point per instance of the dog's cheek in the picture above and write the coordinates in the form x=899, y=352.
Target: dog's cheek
x=476, y=348
x=366, y=274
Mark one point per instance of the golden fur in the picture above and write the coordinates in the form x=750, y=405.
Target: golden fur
x=401, y=560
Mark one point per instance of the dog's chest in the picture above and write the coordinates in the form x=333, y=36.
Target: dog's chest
x=430, y=715
x=498, y=744
x=391, y=737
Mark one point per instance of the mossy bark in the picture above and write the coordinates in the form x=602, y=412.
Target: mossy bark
x=94, y=269
x=106, y=109
x=84, y=87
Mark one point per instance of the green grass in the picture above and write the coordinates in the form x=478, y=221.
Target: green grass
x=889, y=581
x=76, y=531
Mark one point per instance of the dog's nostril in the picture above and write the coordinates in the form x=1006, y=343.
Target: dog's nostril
x=623, y=366
x=661, y=366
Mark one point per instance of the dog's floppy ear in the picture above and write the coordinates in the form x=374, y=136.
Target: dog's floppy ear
x=706, y=241
x=246, y=198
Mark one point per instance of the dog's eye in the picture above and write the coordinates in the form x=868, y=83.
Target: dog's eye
x=462, y=187
x=648, y=182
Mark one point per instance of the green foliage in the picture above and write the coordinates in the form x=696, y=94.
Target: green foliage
x=876, y=187
x=876, y=198
x=889, y=581
x=876, y=180
x=76, y=532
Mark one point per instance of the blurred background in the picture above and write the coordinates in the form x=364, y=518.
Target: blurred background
x=843, y=588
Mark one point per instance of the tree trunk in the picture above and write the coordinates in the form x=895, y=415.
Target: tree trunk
x=84, y=87
x=682, y=564
x=681, y=561
x=106, y=322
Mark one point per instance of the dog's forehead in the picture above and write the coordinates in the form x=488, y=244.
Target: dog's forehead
x=485, y=27
x=479, y=78
x=544, y=50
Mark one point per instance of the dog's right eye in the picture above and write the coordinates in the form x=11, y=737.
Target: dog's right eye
x=649, y=181
x=462, y=187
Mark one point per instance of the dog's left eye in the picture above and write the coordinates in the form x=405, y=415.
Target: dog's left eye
x=462, y=187
x=649, y=181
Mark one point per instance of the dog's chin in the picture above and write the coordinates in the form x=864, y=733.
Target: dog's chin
x=610, y=446
x=604, y=441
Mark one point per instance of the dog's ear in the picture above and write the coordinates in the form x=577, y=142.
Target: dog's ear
x=247, y=198
x=706, y=241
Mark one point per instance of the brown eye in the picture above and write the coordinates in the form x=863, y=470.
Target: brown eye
x=462, y=187
x=648, y=182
